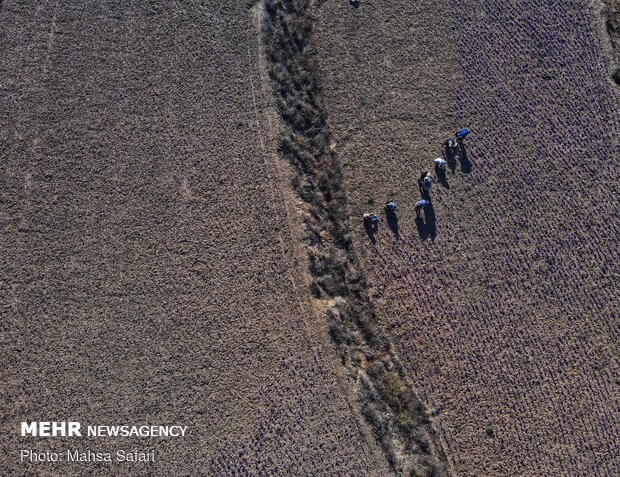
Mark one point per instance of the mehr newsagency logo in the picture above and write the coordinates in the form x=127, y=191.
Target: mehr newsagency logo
x=75, y=429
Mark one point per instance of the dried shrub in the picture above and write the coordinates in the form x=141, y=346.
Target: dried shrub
x=388, y=402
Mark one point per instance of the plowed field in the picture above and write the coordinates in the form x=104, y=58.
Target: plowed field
x=149, y=270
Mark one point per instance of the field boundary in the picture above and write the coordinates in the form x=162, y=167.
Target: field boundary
x=389, y=404
x=607, y=15
x=290, y=203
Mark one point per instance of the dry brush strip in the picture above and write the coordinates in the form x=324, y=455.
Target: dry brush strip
x=608, y=11
x=389, y=404
x=613, y=29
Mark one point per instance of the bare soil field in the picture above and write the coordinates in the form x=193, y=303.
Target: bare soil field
x=508, y=320
x=150, y=272
x=178, y=182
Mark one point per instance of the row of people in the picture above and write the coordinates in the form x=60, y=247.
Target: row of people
x=425, y=182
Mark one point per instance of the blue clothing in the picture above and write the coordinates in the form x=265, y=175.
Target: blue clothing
x=462, y=133
x=391, y=206
x=372, y=218
x=427, y=183
x=420, y=204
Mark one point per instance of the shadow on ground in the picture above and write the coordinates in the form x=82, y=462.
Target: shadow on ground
x=426, y=226
x=466, y=165
x=392, y=221
x=371, y=231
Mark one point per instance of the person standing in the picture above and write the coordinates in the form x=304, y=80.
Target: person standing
x=450, y=147
x=425, y=182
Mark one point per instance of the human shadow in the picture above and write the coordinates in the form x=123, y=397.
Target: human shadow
x=422, y=229
x=426, y=226
x=441, y=177
x=392, y=221
x=450, y=156
x=429, y=218
x=466, y=165
x=371, y=230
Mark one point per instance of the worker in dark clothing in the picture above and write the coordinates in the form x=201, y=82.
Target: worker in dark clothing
x=450, y=147
x=427, y=182
x=423, y=182
x=371, y=219
x=371, y=225
x=419, y=205
x=391, y=217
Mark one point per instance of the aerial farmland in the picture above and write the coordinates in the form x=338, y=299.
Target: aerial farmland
x=183, y=186
x=508, y=320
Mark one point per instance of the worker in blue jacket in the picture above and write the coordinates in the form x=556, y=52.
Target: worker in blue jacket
x=461, y=134
x=419, y=205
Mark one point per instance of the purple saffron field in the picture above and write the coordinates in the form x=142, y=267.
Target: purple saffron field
x=508, y=321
